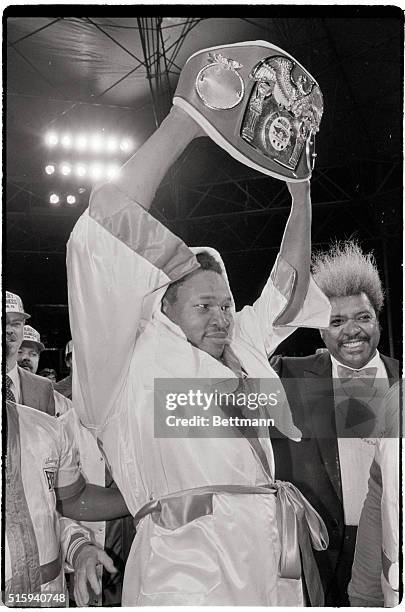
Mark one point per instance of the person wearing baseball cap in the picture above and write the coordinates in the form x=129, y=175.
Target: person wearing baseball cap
x=28, y=359
x=42, y=462
x=14, y=305
x=30, y=349
x=21, y=385
x=15, y=319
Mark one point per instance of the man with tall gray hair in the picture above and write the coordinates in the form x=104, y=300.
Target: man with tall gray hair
x=335, y=396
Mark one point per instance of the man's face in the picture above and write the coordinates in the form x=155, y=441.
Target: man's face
x=203, y=311
x=51, y=376
x=28, y=356
x=354, y=332
x=14, y=334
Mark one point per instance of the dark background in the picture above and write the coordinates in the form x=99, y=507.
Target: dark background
x=115, y=69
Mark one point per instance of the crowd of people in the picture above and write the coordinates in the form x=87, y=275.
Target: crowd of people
x=100, y=510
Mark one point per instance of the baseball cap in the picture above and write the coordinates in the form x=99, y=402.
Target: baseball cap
x=14, y=304
x=258, y=103
x=31, y=335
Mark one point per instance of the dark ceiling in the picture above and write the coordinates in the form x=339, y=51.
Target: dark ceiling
x=118, y=73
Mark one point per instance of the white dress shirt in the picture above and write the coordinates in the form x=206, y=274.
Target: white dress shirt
x=356, y=455
x=375, y=362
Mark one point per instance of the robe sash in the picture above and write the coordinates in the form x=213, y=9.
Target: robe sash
x=301, y=527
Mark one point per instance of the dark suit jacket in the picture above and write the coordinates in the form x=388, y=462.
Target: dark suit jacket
x=36, y=392
x=64, y=386
x=313, y=464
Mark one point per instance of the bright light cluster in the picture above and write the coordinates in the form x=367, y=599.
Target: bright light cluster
x=80, y=158
x=94, y=170
x=56, y=200
x=94, y=143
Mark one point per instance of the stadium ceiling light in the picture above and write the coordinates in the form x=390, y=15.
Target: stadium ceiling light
x=54, y=199
x=96, y=171
x=50, y=169
x=112, y=144
x=71, y=199
x=125, y=145
x=65, y=169
x=113, y=171
x=97, y=143
x=66, y=141
x=51, y=139
x=80, y=170
x=81, y=142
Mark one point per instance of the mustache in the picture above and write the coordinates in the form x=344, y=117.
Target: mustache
x=11, y=337
x=25, y=364
x=220, y=328
x=358, y=337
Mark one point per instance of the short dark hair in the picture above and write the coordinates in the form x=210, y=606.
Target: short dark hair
x=345, y=270
x=46, y=371
x=206, y=261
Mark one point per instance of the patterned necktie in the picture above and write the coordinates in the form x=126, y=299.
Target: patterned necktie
x=9, y=394
x=367, y=375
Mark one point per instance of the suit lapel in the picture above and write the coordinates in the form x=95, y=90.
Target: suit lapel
x=320, y=398
x=29, y=396
x=392, y=368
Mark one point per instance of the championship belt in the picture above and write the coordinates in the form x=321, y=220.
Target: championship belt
x=256, y=102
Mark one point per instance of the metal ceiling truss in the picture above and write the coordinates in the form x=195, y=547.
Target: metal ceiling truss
x=12, y=43
x=252, y=214
x=160, y=62
x=235, y=207
x=223, y=204
x=256, y=193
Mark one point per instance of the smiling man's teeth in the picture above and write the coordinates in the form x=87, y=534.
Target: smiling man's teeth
x=353, y=343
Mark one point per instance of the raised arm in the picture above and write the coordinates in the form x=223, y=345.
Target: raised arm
x=118, y=254
x=142, y=174
x=290, y=298
x=296, y=246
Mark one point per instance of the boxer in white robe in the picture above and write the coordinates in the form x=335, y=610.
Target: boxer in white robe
x=120, y=262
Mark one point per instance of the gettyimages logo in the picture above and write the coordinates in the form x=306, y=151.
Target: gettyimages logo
x=206, y=401
x=220, y=408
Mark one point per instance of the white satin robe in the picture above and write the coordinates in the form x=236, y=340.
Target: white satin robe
x=120, y=260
